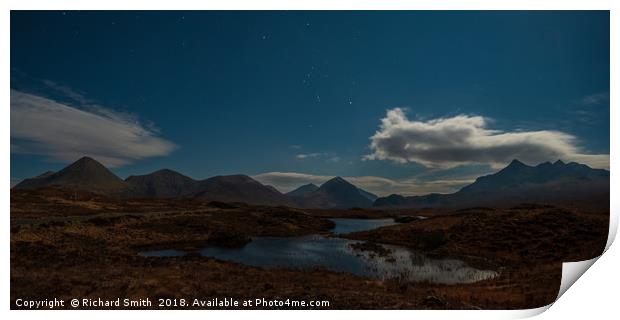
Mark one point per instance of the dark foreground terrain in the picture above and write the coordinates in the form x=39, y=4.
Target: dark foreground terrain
x=87, y=248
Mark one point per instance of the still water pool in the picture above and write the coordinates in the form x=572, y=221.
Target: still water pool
x=339, y=255
x=354, y=225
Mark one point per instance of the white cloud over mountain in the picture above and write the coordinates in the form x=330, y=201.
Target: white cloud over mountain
x=64, y=132
x=288, y=181
x=464, y=139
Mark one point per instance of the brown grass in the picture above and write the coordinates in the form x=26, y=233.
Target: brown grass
x=97, y=256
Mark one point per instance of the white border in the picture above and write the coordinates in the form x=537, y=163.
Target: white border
x=604, y=286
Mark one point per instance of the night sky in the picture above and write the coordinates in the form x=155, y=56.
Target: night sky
x=397, y=102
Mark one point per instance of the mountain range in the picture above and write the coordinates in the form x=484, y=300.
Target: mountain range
x=551, y=183
x=87, y=174
x=571, y=184
x=335, y=193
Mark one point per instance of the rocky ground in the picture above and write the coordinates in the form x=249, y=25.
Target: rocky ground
x=526, y=244
x=89, y=250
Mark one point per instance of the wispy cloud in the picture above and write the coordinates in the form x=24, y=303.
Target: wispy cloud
x=65, y=132
x=591, y=110
x=287, y=181
x=595, y=99
x=334, y=159
x=67, y=92
x=464, y=139
x=310, y=155
x=324, y=156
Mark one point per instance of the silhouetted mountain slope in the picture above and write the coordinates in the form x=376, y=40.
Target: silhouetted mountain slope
x=558, y=183
x=569, y=184
x=34, y=182
x=45, y=174
x=89, y=175
x=233, y=188
x=240, y=188
x=86, y=174
x=370, y=196
x=163, y=183
x=303, y=190
x=272, y=188
x=335, y=193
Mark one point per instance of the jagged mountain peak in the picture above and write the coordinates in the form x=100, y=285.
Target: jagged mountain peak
x=557, y=182
x=515, y=163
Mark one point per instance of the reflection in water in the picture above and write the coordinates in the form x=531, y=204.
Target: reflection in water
x=336, y=254
x=344, y=225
